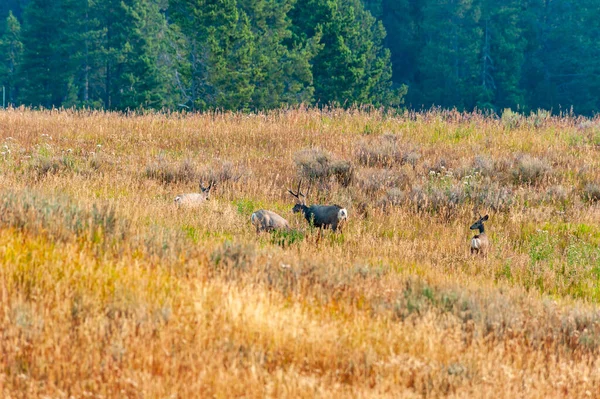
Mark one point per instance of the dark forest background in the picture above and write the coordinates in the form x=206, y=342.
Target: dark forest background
x=263, y=54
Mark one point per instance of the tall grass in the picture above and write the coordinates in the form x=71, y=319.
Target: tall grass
x=108, y=290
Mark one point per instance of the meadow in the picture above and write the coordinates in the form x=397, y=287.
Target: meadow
x=108, y=290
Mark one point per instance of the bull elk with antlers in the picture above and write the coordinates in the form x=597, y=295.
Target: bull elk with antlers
x=320, y=216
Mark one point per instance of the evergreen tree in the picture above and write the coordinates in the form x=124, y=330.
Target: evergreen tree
x=562, y=55
x=11, y=50
x=281, y=70
x=131, y=74
x=502, y=55
x=46, y=68
x=86, y=51
x=352, y=67
x=400, y=19
x=448, y=63
x=216, y=71
x=15, y=7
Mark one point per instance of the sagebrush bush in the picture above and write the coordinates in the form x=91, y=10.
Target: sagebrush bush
x=392, y=198
x=317, y=165
x=385, y=151
x=438, y=200
x=167, y=172
x=313, y=164
x=440, y=167
x=591, y=192
x=510, y=119
x=493, y=196
x=223, y=172
x=530, y=170
x=44, y=166
x=343, y=172
x=539, y=118
x=484, y=165
x=58, y=217
x=557, y=194
x=372, y=180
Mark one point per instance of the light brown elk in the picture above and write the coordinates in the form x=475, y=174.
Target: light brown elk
x=480, y=243
x=192, y=200
x=265, y=220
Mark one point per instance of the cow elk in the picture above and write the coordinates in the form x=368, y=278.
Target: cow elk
x=320, y=216
x=192, y=200
x=480, y=242
x=265, y=220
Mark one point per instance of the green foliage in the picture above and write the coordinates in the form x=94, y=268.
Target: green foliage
x=218, y=45
x=352, y=66
x=45, y=68
x=282, y=72
x=263, y=54
x=285, y=238
x=246, y=206
x=11, y=51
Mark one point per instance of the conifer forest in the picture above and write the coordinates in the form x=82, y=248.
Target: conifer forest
x=255, y=55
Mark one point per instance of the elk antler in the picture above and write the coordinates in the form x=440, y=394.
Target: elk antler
x=297, y=194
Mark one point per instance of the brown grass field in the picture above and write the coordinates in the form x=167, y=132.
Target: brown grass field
x=107, y=290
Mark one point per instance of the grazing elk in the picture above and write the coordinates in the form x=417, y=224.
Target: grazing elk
x=192, y=200
x=265, y=220
x=480, y=242
x=320, y=216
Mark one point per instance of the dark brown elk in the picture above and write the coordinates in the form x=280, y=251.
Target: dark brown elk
x=320, y=216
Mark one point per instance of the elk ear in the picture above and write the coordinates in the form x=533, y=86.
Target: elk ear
x=486, y=217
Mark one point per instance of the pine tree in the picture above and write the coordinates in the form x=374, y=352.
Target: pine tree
x=131, y=74
x=11, y=50
x=449, y=60
x=86, y=51
x=12, y=6
x=215, y=70
x=352, y=67
x=562, y=56
x=400, y=19
x=281, y=70
x=502, y=56
x=46, y=69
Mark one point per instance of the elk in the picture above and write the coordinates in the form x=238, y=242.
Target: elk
x=320, y=216
x=480, y=242
x=265, y=220
x=192, y=200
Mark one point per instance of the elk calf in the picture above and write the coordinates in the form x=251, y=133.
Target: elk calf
x=192, y=200
x=320, y=216
x=265, y=220
x=480, y=242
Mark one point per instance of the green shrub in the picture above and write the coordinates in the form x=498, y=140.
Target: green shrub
x=285, y=238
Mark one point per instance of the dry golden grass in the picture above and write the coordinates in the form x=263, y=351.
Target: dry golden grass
x=108, y=290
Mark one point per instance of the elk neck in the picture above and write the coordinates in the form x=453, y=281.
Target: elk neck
x=306, y=211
